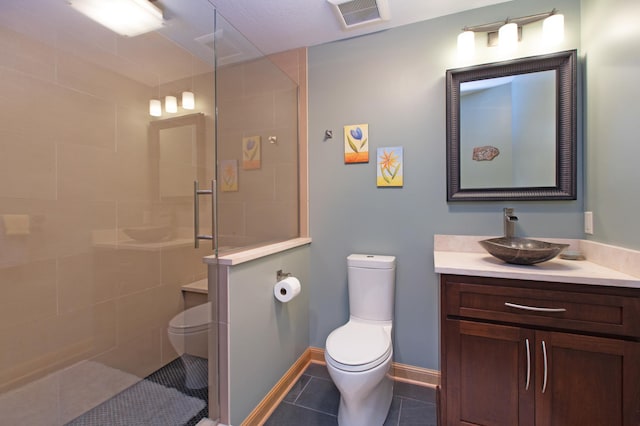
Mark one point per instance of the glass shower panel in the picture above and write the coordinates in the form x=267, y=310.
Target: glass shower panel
x=257, y=144
x=96, y=212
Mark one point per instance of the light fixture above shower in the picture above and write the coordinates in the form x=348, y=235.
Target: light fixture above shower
x=355, y=13
x=126, y=17
x=188, y=102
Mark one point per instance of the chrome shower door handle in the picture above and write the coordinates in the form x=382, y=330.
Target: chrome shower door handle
x=196, y=213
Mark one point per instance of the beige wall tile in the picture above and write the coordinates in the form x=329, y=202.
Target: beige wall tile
x=23, y=54
x=150, y=51
x=138, y=270
x=262, y=76
x=139, y=355
x=75, y=72
x=86, y=173
x=55, y=341
x=75, y=282
x=150, y=309
x=28, y=293
x=231, y=217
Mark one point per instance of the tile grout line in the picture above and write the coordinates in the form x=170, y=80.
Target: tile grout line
x=302, y=390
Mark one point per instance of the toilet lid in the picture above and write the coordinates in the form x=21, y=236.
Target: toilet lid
x=193, y=319
x=358, y=345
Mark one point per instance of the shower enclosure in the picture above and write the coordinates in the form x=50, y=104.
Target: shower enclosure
x=96, y=200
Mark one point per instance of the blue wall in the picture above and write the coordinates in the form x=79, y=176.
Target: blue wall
x=266, y=337
x=611, y=41
x=394, y=81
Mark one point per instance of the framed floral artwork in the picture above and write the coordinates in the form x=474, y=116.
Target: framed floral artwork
x=356, y=143
x=229, y=175
x=251, y=153
x=389, y=170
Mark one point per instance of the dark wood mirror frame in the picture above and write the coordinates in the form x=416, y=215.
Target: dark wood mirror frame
x=564, y=64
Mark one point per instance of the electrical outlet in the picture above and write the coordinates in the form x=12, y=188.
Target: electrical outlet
x=588, y=223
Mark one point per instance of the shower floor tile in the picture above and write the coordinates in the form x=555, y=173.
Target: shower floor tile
x=171, y=377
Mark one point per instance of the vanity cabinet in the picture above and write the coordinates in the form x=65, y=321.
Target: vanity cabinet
x=517, y=352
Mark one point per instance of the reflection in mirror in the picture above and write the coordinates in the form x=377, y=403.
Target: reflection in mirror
x=516, y=116
x=178, y=146
x=511, y=130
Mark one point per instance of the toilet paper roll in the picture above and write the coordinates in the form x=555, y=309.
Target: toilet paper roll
x=286, y=289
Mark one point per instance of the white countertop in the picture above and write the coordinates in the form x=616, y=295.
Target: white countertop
x=246, y=255
x=462, y=255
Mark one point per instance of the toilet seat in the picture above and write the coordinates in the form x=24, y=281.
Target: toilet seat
x=192, y=320
x=358, y=346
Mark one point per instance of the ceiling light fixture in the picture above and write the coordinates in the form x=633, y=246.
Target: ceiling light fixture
x=125, y=17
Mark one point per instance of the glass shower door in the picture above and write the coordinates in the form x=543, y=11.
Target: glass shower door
x=96, y=211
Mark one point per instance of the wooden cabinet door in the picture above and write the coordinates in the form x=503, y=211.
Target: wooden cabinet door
x=587, y=380
x=486, y=370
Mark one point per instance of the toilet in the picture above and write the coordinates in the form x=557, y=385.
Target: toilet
x=188, y=333
x=359, y=353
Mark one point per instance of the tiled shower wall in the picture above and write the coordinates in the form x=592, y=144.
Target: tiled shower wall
x=75, y=164
x=256, y=98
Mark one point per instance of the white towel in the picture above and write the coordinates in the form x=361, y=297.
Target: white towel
x=16, y=224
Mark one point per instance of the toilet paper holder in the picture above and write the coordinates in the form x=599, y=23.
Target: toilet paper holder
x=282, y=275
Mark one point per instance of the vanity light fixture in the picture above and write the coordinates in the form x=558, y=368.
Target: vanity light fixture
x=188, y=100
x=126, y=17
x=508, y=32
x=170, y=104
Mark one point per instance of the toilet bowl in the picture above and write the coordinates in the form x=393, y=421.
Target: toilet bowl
x=188, y=333
x=360, y=352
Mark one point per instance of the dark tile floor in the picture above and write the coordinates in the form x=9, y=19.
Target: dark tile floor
x=314, y=399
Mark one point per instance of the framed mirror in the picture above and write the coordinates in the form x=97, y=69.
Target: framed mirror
x=511, y=129
x=177, y=146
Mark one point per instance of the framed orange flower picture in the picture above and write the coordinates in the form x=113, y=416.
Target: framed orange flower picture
x=356, y=143
x=229, y=175
x=389, y=170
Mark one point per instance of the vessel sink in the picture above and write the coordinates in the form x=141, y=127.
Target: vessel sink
x=522, y=251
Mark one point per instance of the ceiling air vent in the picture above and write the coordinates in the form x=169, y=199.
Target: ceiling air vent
x=354, y=13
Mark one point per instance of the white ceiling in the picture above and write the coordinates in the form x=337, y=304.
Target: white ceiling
x=183, y=46
x=278, y=25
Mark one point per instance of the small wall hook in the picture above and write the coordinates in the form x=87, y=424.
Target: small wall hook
x=273, y=140
x=328, y=134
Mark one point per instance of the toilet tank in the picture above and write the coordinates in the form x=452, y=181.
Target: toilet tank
x=371, y=281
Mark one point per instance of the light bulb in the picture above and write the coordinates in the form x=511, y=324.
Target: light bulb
x=155, y=108
x=188, y=100
x=170, y=104
x=508, y=37
x=553, y=29
x=466, y=43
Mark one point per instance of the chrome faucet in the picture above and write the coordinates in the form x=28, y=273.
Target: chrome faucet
x=509, y=222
